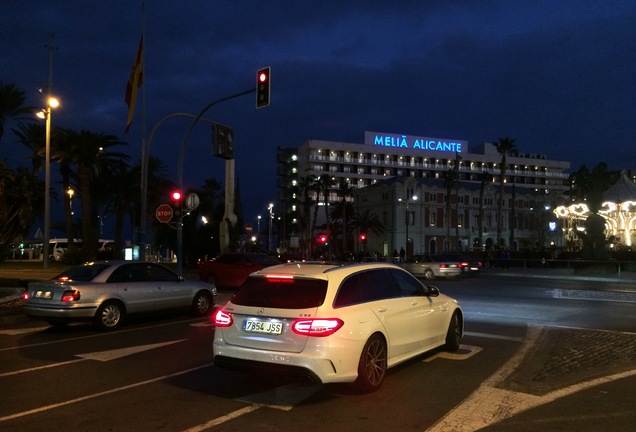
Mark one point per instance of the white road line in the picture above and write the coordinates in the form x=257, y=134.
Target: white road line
x=17, y=332
x=219, y=420
x=283, y=398
x=102, y=356
x=33, y=369
x=96, y=395
x=494, y=336
x=468, y=352
x=489, y=405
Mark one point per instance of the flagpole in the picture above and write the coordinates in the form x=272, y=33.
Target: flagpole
x=144, y=150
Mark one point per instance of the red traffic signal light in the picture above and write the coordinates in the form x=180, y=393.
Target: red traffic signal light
x=323, y=238
x=176, y=197
x=363, y=237
x=262, y=87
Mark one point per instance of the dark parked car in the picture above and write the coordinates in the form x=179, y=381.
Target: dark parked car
x=106, y=292
x=230, y=270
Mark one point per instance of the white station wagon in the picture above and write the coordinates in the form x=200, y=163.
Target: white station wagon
x=334, y=324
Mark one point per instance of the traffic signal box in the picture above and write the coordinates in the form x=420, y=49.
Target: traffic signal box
x=223, y=141
x=176, y=197
x=262, y=87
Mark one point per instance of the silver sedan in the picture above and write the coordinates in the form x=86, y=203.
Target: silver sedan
x=432, y=266
x=106, y=292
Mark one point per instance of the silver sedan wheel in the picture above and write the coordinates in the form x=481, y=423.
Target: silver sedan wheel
x=109, y=316
x=201, y=304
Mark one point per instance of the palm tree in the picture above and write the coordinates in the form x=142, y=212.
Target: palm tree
x=32, y=136
x=304, y=190
x=342, y=209
x=365, y=222
x=23, y=199
x=505, y=146
x=12, y=102
x=92, y=157
x=120, y=188
x=326, y=184
x=63, y=153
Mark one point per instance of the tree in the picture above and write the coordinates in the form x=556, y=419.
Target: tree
x=120, y=187
x=304, y=189
x=365, y=222
x=12, y=104
x=505, y=146
x=22, y=199
x=341, y=210
x=32, y=136
x=91, y=156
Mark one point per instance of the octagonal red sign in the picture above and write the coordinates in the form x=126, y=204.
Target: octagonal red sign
x=164, y=213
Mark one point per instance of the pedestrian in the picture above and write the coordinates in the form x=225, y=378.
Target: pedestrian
x=402, y=254
x=396, y=256
x=504, y=258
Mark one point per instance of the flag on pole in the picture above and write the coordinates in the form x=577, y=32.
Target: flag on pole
x=134, y=82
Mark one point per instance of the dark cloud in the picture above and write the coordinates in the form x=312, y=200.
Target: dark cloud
x=556, y=76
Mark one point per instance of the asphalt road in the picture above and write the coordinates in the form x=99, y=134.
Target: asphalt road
x=534, y=357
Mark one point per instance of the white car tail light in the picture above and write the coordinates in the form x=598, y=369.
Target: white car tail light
x=317, y=327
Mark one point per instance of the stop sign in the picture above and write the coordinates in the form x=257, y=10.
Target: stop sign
x=164, y=213
x=249, y=228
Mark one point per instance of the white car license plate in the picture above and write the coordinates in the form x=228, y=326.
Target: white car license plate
x=253, y=326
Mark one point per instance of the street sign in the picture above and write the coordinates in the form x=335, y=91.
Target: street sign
x=164, y=213
x=249, y=228
x=192, y=201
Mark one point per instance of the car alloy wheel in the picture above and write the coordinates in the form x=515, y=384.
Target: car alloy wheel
x=201, y=304
x=109, y=316
x=373, y=364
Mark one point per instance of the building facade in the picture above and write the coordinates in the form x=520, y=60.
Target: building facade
x=403, y=180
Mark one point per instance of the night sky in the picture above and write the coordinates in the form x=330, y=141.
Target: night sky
x=556, y=76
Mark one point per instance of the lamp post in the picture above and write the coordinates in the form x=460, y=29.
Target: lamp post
x=407, y=218
x=70, y=193
x=51, y=102
x=271, y=218
x=258, y=227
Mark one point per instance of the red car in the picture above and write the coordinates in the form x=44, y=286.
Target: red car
x=231, y=269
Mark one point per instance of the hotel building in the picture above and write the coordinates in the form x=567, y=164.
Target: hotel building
x=402, y=179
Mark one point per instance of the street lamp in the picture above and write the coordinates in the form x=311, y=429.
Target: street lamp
x=51, y=102
x=407, y=217
x=271, y=218
x=70, y=193
x=258, y=226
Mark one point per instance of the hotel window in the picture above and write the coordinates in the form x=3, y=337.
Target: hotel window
x=432, y=218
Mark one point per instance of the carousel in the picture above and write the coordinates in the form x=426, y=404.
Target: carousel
x=618, y=210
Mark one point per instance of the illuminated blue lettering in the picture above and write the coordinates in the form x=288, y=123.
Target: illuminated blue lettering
x=420, y=143
x=389, y=141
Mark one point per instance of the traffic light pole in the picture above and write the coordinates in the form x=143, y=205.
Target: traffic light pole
x=180, y=168
x=144, y=179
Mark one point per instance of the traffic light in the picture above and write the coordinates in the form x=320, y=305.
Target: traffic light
x=223, y=138
x=176, y=197
x=363, y=237
x=262, y=87
x=322, y=238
